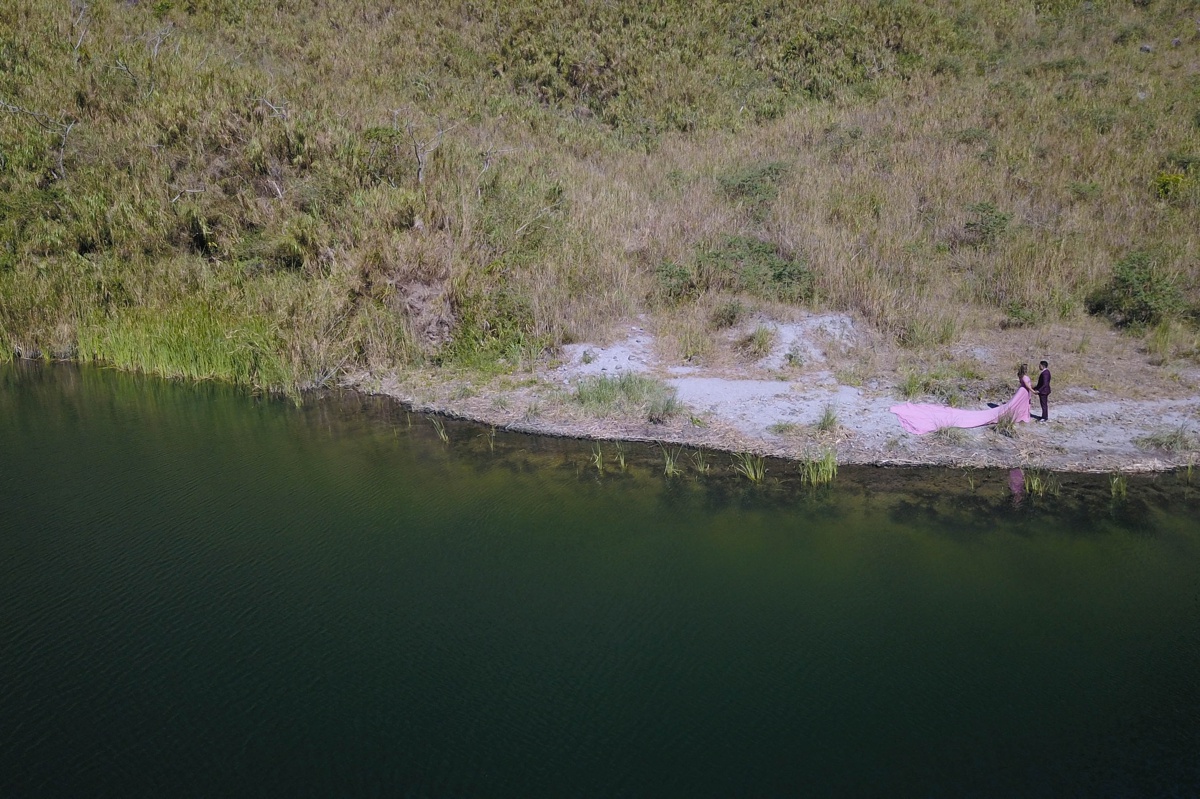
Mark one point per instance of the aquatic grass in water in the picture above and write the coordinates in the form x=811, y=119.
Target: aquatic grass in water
x=671, y=460
x=1118, y=486
x=820, y=470
x=439, y=427
x=191, y=341
x=1039, y=483
x=752, y=467
x=700, y=462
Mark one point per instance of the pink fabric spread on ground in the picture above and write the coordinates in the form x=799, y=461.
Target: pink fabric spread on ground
x=921, y=419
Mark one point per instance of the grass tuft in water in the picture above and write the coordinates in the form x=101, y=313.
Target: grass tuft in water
x=598, y=458
x=752, y=467
x=1040, y=483
x=819, y=470
x=700, y=462
x=671, y=460
x=620, y=453
x=440, y=429
x=1118, y=486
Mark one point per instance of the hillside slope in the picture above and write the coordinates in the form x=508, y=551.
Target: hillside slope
x=277, y=191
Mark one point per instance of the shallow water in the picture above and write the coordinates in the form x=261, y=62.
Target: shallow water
x=207, y=593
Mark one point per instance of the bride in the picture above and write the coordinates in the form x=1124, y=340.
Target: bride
x=920, y=419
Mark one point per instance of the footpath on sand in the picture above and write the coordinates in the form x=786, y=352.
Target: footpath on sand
x=822, y=387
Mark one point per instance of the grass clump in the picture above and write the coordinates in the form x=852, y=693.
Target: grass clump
x=754, y=187
x=752, y=467
x=727, y=314
x=1179, y=439
x=1039, y=483
x=627, y=393
x=1006, y=425
x=758, y=343
x=671, y=460
x=1118, y=486
x=828, y=423
x=954, y=436
x=820, y=470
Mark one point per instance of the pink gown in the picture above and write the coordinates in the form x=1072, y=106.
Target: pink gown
x=921, y=419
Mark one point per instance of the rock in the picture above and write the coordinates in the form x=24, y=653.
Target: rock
x=1176, y=42
x=1146, y=48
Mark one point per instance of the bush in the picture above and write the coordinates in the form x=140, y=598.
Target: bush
x=754, y=266
x=1140, y=292
x=987, y=224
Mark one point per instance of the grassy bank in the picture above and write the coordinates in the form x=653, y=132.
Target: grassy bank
x=273, y=191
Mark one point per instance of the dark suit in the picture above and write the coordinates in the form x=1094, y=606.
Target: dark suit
x=1042, y=389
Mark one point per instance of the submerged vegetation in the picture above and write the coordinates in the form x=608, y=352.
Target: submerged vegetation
x=274, y=192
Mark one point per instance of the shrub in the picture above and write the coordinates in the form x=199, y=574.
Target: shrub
x=727, y=314
x=987, y=224
x=757, y=267
x=1140, y=292
x=674, y=282
x=755, y=187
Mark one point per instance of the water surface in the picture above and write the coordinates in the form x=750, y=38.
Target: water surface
x=207, y=593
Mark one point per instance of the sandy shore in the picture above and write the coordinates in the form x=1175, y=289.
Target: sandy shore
x=772, y=405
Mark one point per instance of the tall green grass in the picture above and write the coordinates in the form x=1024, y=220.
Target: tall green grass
x=190, y=341
x=627, y=393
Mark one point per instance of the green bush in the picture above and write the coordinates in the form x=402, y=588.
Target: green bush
x=987, y=224
x=754, y=266
x=1140, y=292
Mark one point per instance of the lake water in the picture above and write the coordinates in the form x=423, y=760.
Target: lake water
x=211, y=594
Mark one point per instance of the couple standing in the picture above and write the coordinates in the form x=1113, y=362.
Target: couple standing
x=1042, y=389
x=920, y=419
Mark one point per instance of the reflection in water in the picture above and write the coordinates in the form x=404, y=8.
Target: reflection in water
x=1016, y=484
x=210, y=593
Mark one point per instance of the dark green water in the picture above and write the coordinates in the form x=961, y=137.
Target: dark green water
x=207, y=594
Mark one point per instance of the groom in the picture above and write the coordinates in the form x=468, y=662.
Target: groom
x=1042, y=389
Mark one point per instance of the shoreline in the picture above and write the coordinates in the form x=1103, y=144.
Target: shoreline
x=795, y=401
x=1031, y=447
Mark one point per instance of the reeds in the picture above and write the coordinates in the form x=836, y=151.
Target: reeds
x=1118, y=486
x=671, y=460
x=752, y=467
x=1040, y=483
x=819, y=470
